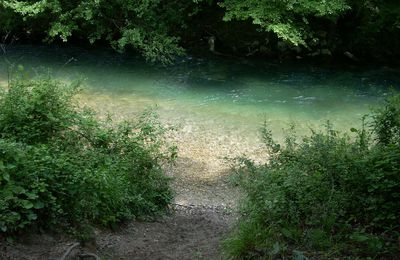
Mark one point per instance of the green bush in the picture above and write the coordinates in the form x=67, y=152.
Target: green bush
x=59, y=164
x=328, y=195
x=387, y=122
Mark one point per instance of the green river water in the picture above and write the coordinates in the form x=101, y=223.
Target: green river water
x=218, y=96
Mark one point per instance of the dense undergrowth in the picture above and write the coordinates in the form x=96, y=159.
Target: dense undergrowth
x=327, y=195
x=62, y=166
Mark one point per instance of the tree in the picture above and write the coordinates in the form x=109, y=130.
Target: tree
x=146, y=25
x=155, y=28
x=290, y=20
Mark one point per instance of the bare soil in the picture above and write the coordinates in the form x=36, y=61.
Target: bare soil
x=190, y=232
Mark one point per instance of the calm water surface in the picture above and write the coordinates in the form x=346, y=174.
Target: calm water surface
x=219, y=96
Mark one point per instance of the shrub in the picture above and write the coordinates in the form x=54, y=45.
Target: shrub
x=59, y=164
x=329, y=194
x=387, y=122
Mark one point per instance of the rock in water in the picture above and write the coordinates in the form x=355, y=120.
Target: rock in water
x=326, y=52
x=350, y=55
x=211, y=43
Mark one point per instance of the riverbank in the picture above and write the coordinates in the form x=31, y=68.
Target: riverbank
x=200, y=217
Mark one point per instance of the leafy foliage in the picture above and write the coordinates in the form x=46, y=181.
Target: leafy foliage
x=288, y=19
x=329, y=193
x=360, y=26
x=60, y=165
x=158, y=28
x=145, y=25
x=387, y=122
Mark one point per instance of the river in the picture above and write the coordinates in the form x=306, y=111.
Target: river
x=218, y=105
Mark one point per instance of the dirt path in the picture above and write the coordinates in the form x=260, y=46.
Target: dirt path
x=201, y=216
x=189, y=233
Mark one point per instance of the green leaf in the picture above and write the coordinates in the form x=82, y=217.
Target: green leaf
x=286, y=233
x=26, y=204
x=3, y=227
x=298, y=255
x=276, y=248
x=353, y=130
x=18, y=189
x=38, y=205
x=6, y=176
x=358, y=237
x=31, y=195
x=32, y=216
